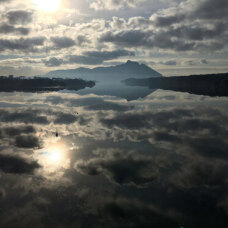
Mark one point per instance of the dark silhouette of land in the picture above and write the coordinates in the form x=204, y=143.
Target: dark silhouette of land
x=210, y=84
x=10, y=84
x=111, y=74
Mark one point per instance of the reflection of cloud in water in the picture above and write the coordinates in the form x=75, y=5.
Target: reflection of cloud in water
x=159, y=161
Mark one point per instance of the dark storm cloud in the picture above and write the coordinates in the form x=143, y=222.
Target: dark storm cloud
x=17, y=165
x=24, y=116
x=62, y=42
x=26, y=45
x=88, y=58
x=27, y=141
x=19, y=17
x=6, y=28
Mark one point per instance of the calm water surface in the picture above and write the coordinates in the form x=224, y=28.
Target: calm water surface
x=159, y=159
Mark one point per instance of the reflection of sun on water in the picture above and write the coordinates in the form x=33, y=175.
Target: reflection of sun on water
x=55, y=154
x=54, y=158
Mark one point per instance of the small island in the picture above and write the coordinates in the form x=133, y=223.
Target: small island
x=41, y=84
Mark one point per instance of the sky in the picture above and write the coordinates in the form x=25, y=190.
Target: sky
x=174, y=37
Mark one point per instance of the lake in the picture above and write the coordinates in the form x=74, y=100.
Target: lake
x=124, y=157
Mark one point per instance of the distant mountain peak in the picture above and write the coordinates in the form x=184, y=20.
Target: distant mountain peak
x=129, y=62
x=130, y=69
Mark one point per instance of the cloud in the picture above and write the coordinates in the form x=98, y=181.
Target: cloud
x=169, y=63
x=63, y=118
x=210, y=147
x=179, y=38
x=122, y=167
x=3, y=1
x=27, y=141
x=14, y=131
x=53, y=62
x=89, y=103
x=23, y=116
x=204, y=61
x=127, y=211
x=146, y=39
x=96, y=57
x=88, y=58
x=80, y=40
x=130, y=121
x=170, y=29
x=19, y=16
x=163, y=21
x=200, y=173
x=62, y=42
x=105, y=105
x=5, y=29
x=17, y=165
x=114, y=4
x=26, y=45
x=210, y=9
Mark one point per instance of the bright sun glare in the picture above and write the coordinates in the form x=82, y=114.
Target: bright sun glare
x=55, y=155
x=48, y=5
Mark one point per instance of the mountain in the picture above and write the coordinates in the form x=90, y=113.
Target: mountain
x=113, y=73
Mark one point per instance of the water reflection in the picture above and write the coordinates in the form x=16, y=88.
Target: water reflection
x=54, y=156
x=117, y=89
x=159, y=161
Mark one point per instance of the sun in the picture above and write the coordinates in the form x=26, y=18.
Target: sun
x=48, y=5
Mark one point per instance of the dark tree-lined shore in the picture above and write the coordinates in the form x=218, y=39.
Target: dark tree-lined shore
x=42, y=84
x=211, y=84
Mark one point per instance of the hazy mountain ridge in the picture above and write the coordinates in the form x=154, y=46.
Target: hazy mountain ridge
x=118, y=72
